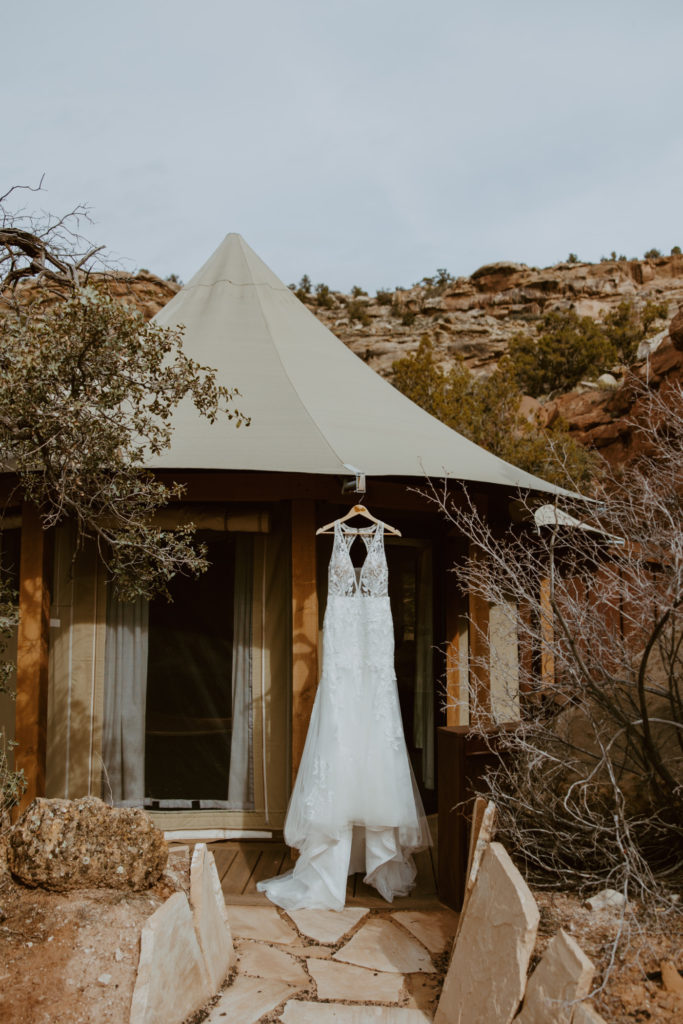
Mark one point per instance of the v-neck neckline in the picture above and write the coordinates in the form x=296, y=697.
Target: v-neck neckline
x=350, y=532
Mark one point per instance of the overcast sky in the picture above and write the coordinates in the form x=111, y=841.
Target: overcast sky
x=359, y=141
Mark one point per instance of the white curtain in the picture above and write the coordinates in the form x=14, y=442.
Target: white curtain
x=125, y=699
x=423, y=710
x=241, y=780
x=125, y=692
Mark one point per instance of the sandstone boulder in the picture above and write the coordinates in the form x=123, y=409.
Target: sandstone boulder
x=72, y=844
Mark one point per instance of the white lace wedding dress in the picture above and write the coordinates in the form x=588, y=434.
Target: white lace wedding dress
x=355, y=804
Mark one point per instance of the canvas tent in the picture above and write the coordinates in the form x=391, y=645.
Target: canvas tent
x=198, y=710
x=315, y=406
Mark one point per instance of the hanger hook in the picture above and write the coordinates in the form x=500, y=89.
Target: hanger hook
x=357, y=485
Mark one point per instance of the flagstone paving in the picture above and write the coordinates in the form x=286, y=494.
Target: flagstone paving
x=435, y=929
x=356, y=966
x=297, y=1012
x=262, y=923
x=248, y=999
x=381, y=946
x=355, y=984
x=325, y=925
x=262, y=961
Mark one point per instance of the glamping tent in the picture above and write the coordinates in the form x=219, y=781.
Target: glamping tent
x=197, y=710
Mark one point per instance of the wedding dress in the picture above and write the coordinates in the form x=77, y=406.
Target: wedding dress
x=355, y=805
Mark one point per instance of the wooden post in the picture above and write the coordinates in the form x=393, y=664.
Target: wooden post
x=457, y=641
x=304, y=624
x=480, y=673
x=32, y=654
x=547, y=636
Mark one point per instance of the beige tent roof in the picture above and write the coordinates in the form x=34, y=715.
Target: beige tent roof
x=315, y=407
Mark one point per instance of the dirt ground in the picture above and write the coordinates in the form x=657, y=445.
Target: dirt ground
x=71, y=958
x=633, y=990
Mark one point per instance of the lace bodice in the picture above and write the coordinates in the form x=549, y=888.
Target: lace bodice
x=373, y=578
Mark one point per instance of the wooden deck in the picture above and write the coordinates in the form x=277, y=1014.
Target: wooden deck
x=241, y=865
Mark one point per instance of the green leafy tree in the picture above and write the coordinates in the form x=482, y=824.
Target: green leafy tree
x=357, y=311
x=568, y=348
x=438, y=283
x=303, y=289
x=486, y=410
x=324, y=297
x=88, y=389
x=627, y=325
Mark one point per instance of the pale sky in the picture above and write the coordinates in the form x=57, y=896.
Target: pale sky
x=359, y=142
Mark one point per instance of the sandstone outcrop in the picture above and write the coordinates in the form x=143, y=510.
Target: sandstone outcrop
x=476, y=316
x=607, y=420
x=73, y=844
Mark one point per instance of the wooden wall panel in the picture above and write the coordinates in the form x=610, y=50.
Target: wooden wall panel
x=304, y=624
x=32, y=655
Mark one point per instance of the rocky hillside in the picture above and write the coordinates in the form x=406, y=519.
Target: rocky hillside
x=476, y=317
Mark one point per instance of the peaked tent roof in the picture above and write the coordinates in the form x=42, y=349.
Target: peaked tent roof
x=315, y=407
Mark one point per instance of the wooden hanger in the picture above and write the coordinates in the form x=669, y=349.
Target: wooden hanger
x=358, y=510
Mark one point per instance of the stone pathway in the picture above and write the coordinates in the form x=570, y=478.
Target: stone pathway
x=344, y=968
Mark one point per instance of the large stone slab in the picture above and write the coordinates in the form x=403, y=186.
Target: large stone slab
x=210, y=916
x=73, y=844
x=297, y=1012
x=484, y=822
x=172, y=980
x=261, y=961
x=355, y=984
x=248, y=999
x=381, y=946
x=563, y=975
x=433, y=928
x=261, y=923
x=487, y=974
x=327, y=926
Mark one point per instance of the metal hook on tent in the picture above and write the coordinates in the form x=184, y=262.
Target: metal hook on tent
x=357, y=485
